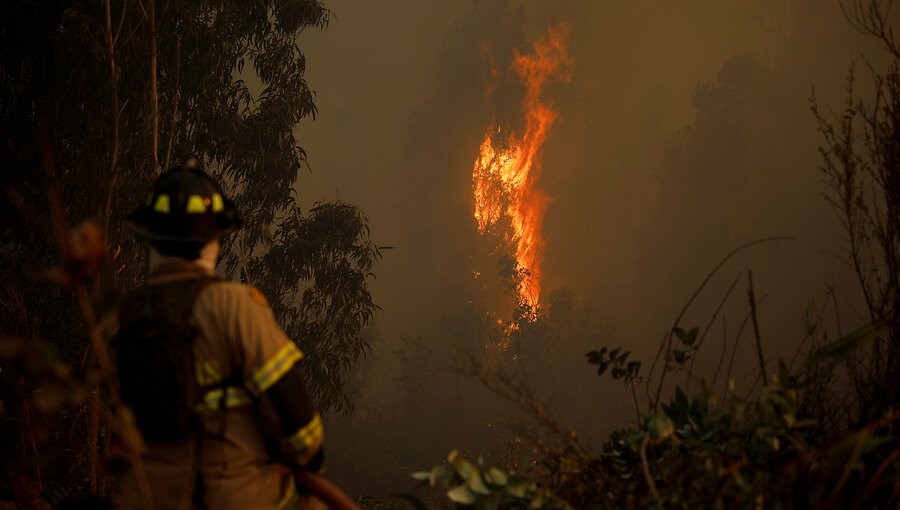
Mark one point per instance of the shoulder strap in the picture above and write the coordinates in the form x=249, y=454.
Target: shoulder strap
x=185, y=292
x=182, y=292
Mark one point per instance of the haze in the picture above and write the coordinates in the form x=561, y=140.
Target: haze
x=684, y=132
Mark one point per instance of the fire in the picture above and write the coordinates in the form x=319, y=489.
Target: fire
x=504, y=176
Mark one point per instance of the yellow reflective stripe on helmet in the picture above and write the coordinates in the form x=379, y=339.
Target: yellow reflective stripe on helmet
x=311, y=434
x=162, y=204
x=274, y=368
x=220, y=399
x=195, y=205
x=218, y=204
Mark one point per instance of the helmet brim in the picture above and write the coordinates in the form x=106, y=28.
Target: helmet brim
x=152, y=234
x=138, y=223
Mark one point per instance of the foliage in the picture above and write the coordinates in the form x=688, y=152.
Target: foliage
x=487, y=487
x=861, y=167
x=331, y=249
x=618, y=360
x=698, y=451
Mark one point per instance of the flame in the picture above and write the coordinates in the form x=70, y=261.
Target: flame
x=503, y=177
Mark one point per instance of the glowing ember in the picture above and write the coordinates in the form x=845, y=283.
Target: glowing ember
x=504, y=176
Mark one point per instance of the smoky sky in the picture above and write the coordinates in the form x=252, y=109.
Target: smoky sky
x=684, y=132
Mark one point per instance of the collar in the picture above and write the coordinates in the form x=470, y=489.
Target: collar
x=177, y=269
x=166, y=268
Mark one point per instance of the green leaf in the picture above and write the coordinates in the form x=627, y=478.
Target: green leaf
x=660, y=426
x=496, y=477
x=440, y=475
x=692, y=336
x=461, y=494
x=842, y=348
x=476, y=484
x=463, y=467
x=688, y=338
x=517, y=487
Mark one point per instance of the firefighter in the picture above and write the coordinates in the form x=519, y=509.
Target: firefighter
x=215, y=385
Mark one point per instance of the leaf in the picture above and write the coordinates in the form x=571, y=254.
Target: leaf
x=476, y=484
x=688, y=338
x=440, y=475
x=463, y=467
x=681, y=401
x=461, y=494
x=496, y=477
x=856, y=443
x=595, y=357
x=660, y=426
x=842, y=348
x=517, y=487
x=692, y=336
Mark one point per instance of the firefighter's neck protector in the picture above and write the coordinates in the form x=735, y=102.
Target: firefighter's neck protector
x=209, y=257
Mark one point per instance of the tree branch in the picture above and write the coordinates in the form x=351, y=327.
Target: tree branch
x=759, y=349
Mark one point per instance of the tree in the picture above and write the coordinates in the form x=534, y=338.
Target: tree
x=96, y=98
x=861, y=165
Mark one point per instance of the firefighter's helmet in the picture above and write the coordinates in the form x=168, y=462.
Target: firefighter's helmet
x=185, y=204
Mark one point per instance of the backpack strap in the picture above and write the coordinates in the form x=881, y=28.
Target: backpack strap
x=176, y=301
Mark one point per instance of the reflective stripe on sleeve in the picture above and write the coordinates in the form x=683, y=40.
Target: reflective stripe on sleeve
x=218, y=399
x=290, y=498
x=310, y=435
x=274, y=368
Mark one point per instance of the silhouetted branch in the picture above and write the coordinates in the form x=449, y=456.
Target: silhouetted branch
x=872, y=17
x=667, y=338
x=759, y=349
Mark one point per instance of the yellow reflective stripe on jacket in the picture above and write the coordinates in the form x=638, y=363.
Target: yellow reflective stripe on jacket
x=311, y=434
x=290, y=499
x=207, y=373
x=230, y=397
x=274, y=368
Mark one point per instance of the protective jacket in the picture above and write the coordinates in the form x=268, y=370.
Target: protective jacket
x=257, y=420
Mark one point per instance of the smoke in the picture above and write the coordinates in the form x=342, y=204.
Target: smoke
x=684, y=133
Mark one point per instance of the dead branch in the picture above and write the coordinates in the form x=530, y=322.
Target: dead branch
x=759, y=348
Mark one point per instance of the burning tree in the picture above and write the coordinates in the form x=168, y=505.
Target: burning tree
x=507, y=203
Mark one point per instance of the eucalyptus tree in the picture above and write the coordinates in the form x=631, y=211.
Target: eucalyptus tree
x=98, y=97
